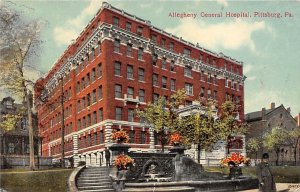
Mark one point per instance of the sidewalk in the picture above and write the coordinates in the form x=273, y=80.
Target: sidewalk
x=282, y=187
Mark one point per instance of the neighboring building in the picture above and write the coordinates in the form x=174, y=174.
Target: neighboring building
x=14, y=144
x=263, y=121
x=117, y=64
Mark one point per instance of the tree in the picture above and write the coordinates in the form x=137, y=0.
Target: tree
x=19, y=46
x=207, y=129
x=293, y=140
x=253, y=146
x=161, y=115
x=275, y=139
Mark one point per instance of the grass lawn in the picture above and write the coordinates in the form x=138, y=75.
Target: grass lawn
x=35, y=181
x=282, y=174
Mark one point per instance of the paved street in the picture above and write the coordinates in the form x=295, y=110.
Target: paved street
x=293, y=187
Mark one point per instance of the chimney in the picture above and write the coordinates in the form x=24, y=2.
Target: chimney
x=272, y=106
x=289, y=110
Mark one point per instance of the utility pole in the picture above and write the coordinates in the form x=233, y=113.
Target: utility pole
x=62, y=124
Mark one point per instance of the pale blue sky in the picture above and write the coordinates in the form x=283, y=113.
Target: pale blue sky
x=269, y=47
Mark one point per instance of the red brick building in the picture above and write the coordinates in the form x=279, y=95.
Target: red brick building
x=118, y=63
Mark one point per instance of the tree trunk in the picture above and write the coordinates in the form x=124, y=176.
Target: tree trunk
x=255, y=157
x=198, y=154
x=30, y=132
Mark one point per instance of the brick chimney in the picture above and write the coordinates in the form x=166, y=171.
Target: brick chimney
x=272, y=105
x=289, y=110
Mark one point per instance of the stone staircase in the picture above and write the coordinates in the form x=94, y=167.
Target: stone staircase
x=93, y=179
x=157, y=187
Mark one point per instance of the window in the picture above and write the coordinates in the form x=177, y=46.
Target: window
x=118, y=91
x=89, y=120
x=164, y=82
x=128, y=26
x=202, y=78
x=117, y=46
x=171, y=46
x=100, y=93
x=173, y=84
x=99, y=70
x=82, y=83
x=155, y=79
x=116, y=21
x=187, y=52
x=215, y=79
x=78, y=87
x=209, y=94
x=209, y=78
x=164, y=63
x=93, y=74
x=172, y=65
x=226, y=82
x=142, y=95
x=202, y=92
x=155, y=97
x=130, y=115
x=78, y=106
x=143, y=137
x=88, y=79
x=94, y=96
x=215, y=95
x=140, y=53
x=78, y=124
x=188, y=71
x=141, y=74
x=118, y=68
x=94, y=118
x=88, y=99
x=139, y=30
x=83, y=123
x=100, y=115
x=129, y=72
x=130, y=92
x=188, y=103
x=153, y=38
x=132, y=136
x=118, y=113
x=201, y=57
x=163, y=42
x=83, y=103
x=92, y=55
x=129, y=50
x=98, y=50
x=101, y=137
x=214, y=63
x=189, y=88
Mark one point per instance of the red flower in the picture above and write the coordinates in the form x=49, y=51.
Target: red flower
x=234, y=158
x=120, y=135
x=175, y=138
x=123, y=161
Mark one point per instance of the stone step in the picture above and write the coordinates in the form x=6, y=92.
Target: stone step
x=94, y=188
x=97, y=181
x=107, y=184
x=94, y=174
x=102, y=190
x=161, y=189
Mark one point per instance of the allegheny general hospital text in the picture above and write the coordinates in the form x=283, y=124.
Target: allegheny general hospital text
x=228, y=14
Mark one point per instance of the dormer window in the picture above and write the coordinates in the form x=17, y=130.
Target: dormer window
x=9, y=105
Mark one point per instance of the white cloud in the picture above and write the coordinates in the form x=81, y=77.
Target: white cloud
x=230, y=35
x=251, y=78
x=63, y=35
x=223, y=2
x=247, y=68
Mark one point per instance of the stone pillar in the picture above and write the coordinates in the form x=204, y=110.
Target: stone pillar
x=244, y=152
x=108, y=132
x=152, y=144
x=93, y=159
x=88, y=160
x=75, y=150
x=97, y=163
